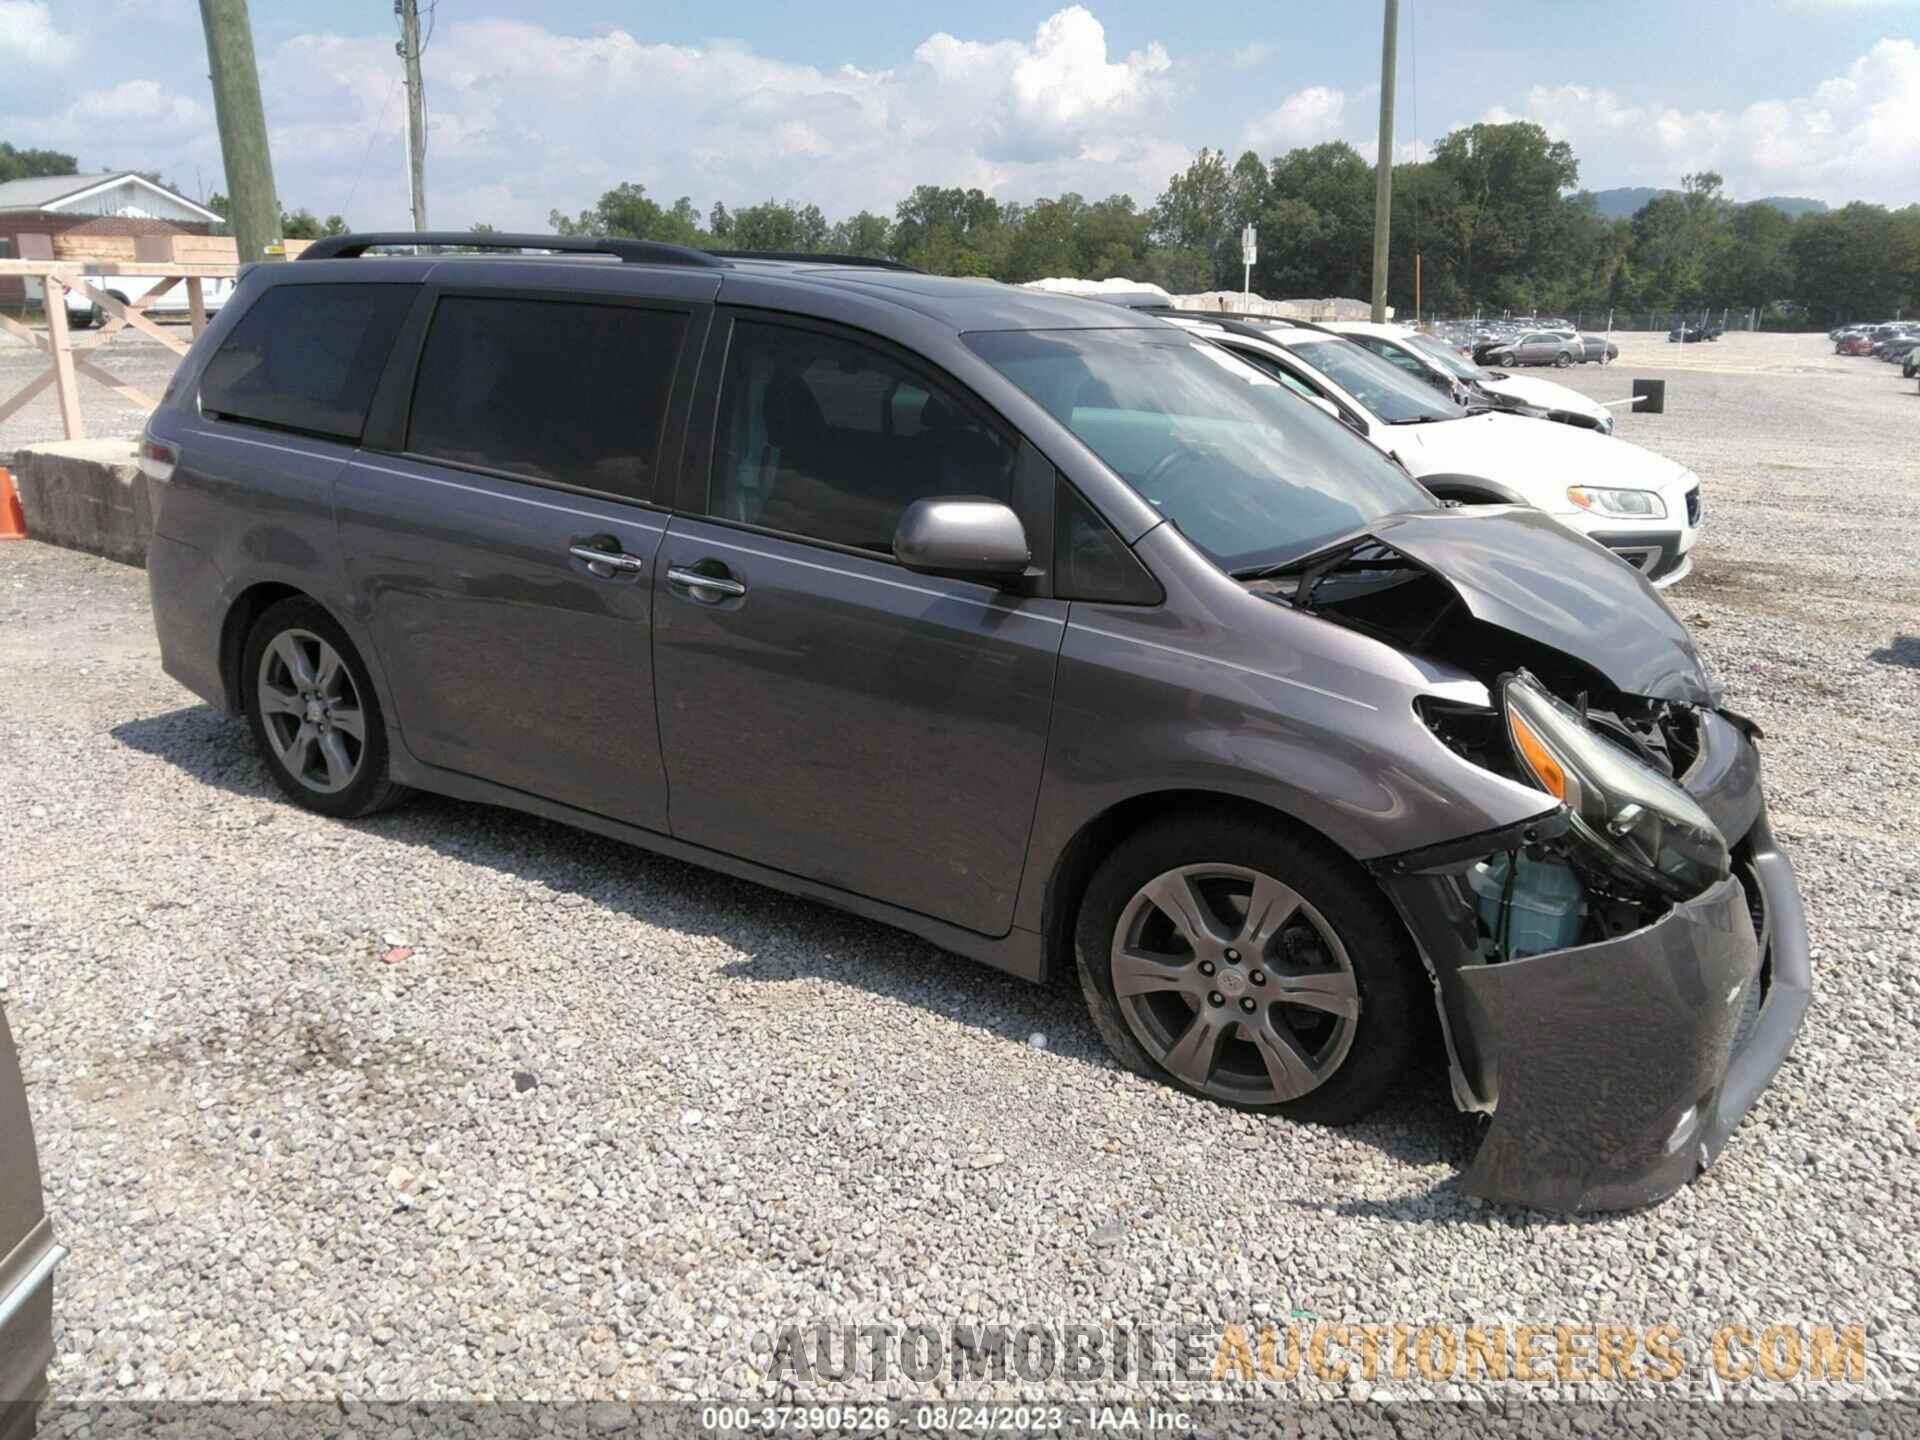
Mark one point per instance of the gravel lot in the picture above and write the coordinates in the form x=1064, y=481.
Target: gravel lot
x=608, y=1117
x=140, y=362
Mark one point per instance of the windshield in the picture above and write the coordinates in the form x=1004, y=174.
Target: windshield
x=1251, y=473
x=1380, y=385
x=1446, y=357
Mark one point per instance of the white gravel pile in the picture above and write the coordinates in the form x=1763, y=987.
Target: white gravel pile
x=457, y=1103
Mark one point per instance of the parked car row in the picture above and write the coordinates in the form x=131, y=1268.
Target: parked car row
x=1545, y=347
x=1128, y=645
x=1443, y=366
x=1642, y=506
x=1891, y=340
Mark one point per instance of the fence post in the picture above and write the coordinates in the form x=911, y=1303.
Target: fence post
x=53, y=298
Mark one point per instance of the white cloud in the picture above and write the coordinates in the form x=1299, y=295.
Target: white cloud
x=551, y=120
x=1853, y=137
x=1306, y=117
x=28, y=35
x=1247, y=57
x=135, y=125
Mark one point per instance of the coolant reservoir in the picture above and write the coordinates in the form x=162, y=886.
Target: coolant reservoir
x=1547, y=908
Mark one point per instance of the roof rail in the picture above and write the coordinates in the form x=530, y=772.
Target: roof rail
x=632, y=252
x=1241, y=324
x=817, y=258
x=1235, y=323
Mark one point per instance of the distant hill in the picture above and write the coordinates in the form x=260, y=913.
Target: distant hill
x=1621, y=202
x=1795, y=205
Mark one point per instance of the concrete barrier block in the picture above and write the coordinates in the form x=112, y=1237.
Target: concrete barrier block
x=86, y=495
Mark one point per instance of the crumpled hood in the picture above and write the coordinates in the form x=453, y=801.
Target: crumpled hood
x=1520, y=570
x=1546, y=395
x=1523, y=453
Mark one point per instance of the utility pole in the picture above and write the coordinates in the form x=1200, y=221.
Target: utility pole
x=252, y=206
x=409, y=51
x=1383, y=172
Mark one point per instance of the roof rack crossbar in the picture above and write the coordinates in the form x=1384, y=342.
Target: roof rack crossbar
x=816, y=257
x=632, y=252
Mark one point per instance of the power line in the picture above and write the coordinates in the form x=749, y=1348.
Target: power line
x=379, y=124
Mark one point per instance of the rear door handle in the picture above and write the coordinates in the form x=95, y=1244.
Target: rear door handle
x=705, y=587
x=607, y=563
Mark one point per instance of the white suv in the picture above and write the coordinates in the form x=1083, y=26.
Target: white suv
x=1642, y=506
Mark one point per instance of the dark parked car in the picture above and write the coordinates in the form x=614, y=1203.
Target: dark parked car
x=1054, y=634
x=1534, y=347
x=27, y=1257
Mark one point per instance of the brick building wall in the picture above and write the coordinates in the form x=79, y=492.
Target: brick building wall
x=15, y=223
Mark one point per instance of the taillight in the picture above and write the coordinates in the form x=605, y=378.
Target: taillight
x=157, y=458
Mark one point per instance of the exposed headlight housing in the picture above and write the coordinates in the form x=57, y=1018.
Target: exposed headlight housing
x=1636, y=504
x=1642, y=825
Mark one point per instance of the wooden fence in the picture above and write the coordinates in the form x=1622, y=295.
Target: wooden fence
x=84, y=264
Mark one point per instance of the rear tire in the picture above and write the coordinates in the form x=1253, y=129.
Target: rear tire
x=1308, y=1009
x=314, y=714
x=1563, y=360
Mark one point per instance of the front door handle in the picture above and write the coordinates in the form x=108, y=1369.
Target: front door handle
x=703, y=586
x=607, y=563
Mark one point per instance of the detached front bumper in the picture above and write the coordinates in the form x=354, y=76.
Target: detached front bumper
x=1616, y=1071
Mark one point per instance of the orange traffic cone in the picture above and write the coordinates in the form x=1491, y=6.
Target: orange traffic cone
x=13, y=524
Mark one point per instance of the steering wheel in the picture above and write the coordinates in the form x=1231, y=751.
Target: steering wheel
x=1155, y=482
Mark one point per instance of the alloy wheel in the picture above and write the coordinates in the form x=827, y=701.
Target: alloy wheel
x=1234, y=984
x=311, y=711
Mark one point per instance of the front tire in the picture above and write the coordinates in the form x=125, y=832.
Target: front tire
x=313, y=712
x=1235, y=960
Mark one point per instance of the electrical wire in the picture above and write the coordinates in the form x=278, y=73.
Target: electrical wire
x=372, y=135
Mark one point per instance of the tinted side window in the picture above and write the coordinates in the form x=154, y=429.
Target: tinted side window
x=1090, y=561
x=306, y=357
x=552, y=389
x=822, y=437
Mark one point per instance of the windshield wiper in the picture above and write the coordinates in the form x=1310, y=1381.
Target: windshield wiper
x=1423, y=420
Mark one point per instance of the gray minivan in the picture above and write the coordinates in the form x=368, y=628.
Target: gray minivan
x=1039, y=628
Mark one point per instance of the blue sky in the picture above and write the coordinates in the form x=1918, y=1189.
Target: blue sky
x=541, y=105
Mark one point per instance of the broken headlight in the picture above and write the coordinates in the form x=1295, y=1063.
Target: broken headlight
x=1645, y=827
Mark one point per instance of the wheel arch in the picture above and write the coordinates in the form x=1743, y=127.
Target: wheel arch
x=248, y=606
x=1074, y=867
x=1472, y=489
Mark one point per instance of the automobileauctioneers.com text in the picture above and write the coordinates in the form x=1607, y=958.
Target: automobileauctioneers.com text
x=1735, y=1353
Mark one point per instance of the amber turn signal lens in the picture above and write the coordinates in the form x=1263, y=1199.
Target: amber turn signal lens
x=1545, y=768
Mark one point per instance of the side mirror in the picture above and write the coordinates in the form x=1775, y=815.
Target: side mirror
x=964, y=537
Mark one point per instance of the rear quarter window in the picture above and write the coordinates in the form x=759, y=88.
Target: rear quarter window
x=557, y=390
x=306, y=358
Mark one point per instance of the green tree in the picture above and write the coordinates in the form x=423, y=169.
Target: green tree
x=1845, y=263
x=950, y=231
x=1195, y=212
x=863, y=234
x=775, y=225
x=1755, y=267
x=1508, y=181
x=305, y=225
x=1316, y=234
x=26, y=164
x=627, y=211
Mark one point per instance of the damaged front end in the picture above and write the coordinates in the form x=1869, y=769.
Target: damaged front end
x=1619, y=976
x=1616, y=995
